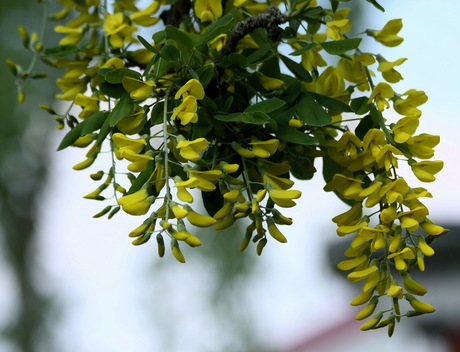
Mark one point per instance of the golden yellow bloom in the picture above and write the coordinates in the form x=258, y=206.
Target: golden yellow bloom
x=264, y=149
x=199, y=220
x=336, y=29
x=422, y=145
x=400, y=257
x=70, y=87
x=208, y=10
x=367, y=310
x=425, y=170
x=136, y=203
x=207, y=179
x=137, y=89
x=284, y=198
x=405, y=128
x=186, y=111
x=182, y=186
x=189, y=149
x=143, y=18
x=275, y=232
x=388, y=71
x=395, y=291
x=381, y=93
x=269, y=83
x=193, y=87
x=388, y=34
x=408, y=106
x=420, y=306
x=117, y=30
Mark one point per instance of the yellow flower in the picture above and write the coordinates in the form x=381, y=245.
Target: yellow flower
x=388, y=34
x=349, y=188
x=399, y=258
x=386, y=157
x=336, y=29
x=121, y=141
x=73, y=37
x=381, y=93
x=182, y=186
x=388, y=71
x=405, y=128
x=349, y=144
x=351, y=216
x=395, y=291
x=207, y=179
x=419, y=306
x=71, y=88
x=137, y=89
x=186, y=111
x=143, y=18
x=425, y=170
x=408, y=106
x=331, y=83
x=263, y=149
x=189, y=149
x=219, y=42
x=193, y=87
x=117, y=30
x=90, y=104
x=136, y=203
x=199, y=220
x=269, y=83
x=274, y=231
x=208, y=10
x=284, y=198
x=422, y=145
x=413, y=286
x=133, y=123
x=395, y=191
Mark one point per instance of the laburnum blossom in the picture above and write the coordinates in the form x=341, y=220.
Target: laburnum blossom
x=136, y=203
x=138, y=89
x=421, y=146
x=193, y=87
x=405, y=128
x=208, y=10
x=388, y=34
x=409, y=106
x=189, y=149
x=186, y=111
x=380, y=94
x=337, y=28
x=117, y=30
x=270, y=83
x=425, y=170
x=284, y=198
x=388, y=71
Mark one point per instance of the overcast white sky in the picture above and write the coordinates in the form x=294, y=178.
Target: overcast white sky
x=106, y=283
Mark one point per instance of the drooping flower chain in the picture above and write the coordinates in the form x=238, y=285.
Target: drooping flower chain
x=206, y=107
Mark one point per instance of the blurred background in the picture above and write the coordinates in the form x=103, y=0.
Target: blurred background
x=71, y=283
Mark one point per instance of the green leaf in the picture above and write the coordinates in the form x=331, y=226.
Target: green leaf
x=266, y=106
x=179, y=36
x=256, y=118
x=312, y=113
x=159, y=37
x=147, y=45
x=331, y=103
x=206, y=73
x=364, y=126
x=170, y=53
x=61, y=50
x=116, y=75
x=292, y=135
x=142, y=178
x=156, y=114
x=297, y=69
x=360, y=105
x=71, y=136
x=257, y=55
x=90, y=124
x=121, y=109
x=112, y=90
x=377, y=5
x=304, y=48
x=94, y=122
x=235, y=117
x=222, y=25
x=104, y=131
x=339, y=47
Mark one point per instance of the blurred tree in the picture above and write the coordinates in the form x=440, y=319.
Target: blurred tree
x=23, y=163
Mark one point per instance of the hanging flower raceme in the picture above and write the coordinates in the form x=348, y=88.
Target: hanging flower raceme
x=212, y=108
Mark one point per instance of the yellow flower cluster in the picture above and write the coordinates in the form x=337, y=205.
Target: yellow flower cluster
x=212, y=105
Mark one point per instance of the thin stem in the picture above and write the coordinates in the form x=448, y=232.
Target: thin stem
x=166, y=156
x=41, y=35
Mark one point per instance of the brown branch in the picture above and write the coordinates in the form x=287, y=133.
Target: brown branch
x=270, y=19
